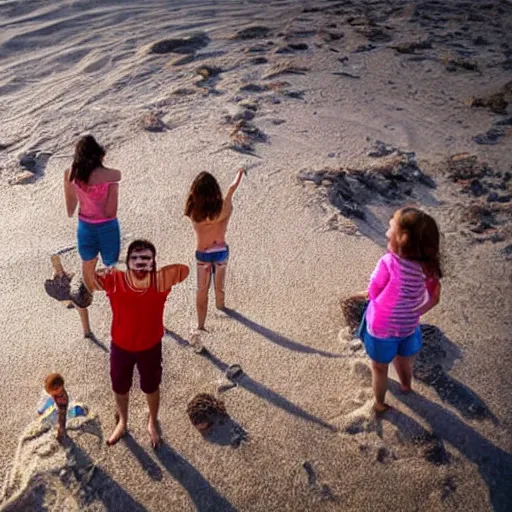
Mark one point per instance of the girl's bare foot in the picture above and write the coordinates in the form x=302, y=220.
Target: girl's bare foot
x=153, y=434
x=380, y=408
x=119, y=432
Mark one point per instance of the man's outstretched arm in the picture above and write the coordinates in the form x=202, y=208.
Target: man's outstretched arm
x=173, y=274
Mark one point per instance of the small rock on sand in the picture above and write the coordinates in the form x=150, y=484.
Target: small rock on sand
x=257, y=31
x=258, y=60
x=183, y=91
x=188, y=44
x=252, y=88
x=208, y=71
x=412, y=47
x=22, y=178
x=152, y=123
x=29, y=160
x=491, y=137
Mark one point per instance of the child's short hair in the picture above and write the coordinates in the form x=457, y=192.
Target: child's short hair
x=53, y=381
x=422, y=241
x=204, y=199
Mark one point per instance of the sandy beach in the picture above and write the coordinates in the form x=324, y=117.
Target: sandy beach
x=342, y=112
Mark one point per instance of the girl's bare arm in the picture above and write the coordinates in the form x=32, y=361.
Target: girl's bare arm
x=69, y=195
x=112, y=200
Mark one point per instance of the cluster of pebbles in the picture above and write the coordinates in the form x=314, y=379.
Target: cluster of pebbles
x=487, y=211
x=392, y=177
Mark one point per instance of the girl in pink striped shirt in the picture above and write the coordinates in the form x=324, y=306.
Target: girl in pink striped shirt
x=403, y=286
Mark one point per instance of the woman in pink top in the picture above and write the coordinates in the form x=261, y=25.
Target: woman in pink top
x=404, y=286
x=94, y=189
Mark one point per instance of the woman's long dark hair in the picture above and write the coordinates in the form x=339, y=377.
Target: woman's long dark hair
x=88, y=156
x=422, y=241
x=204, y=199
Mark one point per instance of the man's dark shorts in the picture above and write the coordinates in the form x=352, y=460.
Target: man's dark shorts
x=149, y=365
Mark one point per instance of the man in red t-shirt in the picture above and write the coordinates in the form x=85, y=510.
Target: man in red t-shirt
x=137, y=298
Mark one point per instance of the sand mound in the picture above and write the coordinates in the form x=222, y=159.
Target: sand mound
x=45, y=473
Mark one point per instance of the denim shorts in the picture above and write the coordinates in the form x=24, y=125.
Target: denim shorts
x=384, y=350
x=103, y=238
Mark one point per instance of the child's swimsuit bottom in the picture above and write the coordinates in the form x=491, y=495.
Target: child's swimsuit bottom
x=384, y=350
x=214, y=255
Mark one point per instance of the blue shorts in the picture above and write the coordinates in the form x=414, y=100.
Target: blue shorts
x=212, y=263
x=384, y=350
x=103, y=238
x=218, y=256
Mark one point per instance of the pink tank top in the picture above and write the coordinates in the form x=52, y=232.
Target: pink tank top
x=92, y=199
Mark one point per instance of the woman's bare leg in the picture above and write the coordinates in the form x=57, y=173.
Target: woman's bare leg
x=403, y=367
x=84, y=318
x=88, y=270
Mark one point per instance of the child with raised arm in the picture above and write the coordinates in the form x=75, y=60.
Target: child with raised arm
x=404, y=286
x=209, y=213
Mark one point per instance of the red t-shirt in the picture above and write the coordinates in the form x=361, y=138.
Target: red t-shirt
x=137, y=314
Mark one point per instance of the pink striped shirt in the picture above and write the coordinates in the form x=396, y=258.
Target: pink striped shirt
x=397, y=290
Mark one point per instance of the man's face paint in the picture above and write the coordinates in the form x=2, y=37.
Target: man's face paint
x=141, y=260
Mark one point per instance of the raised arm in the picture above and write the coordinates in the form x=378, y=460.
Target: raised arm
x=69, y=195
x=378, y=280
x=236, y=182
x=171, y=275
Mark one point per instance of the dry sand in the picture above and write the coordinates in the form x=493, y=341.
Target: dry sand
x=304, y=400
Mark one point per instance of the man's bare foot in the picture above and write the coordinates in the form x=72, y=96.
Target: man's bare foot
x=380, y=408
x=405, y=389
x=119, y=432
x=153, y=434
x=221, y=306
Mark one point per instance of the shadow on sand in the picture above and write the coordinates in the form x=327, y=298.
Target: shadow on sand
x=92, y=337
x=205, y=497
x=143, y=457
x=254, y=387
x=101, y=486
x=276, y=338
x=494, y=464
x=431, y=365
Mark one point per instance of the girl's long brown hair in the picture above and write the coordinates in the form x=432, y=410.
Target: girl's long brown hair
x=204, y=199
x=88, y=156
x=422, y=241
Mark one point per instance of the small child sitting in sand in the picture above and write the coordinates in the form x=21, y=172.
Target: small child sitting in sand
x=404, y=286
x=57, y=395
x=210, y=214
